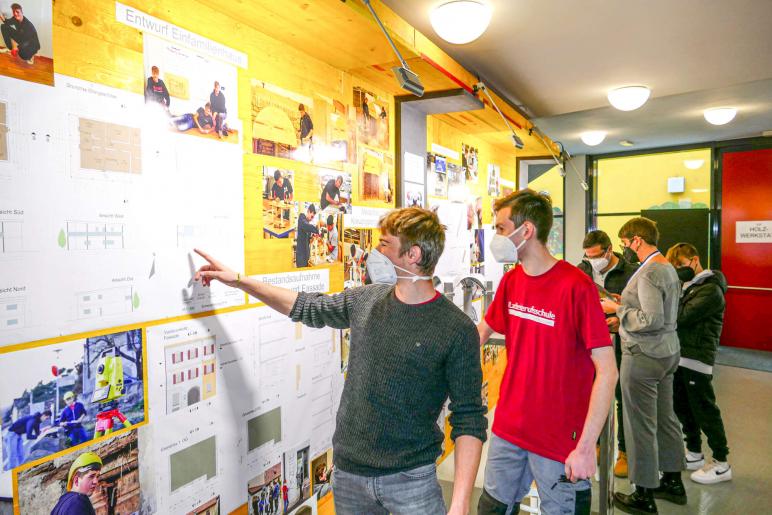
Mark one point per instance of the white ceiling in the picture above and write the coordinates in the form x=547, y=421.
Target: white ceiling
x=557, y=57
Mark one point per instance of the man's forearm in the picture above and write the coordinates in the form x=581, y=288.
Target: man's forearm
x=280, y=299
x=485, y=332
x=466, y=462
x=600, y=403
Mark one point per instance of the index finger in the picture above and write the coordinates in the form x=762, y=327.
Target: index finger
x=205, y=256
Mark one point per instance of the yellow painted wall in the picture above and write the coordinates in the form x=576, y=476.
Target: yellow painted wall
x=631, y=184
x=552, y=183
x=634, y=183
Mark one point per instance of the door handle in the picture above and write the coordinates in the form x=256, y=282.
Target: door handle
x=753, y=288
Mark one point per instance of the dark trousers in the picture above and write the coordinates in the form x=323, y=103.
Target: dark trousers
x=695, y=405
x=26, y=50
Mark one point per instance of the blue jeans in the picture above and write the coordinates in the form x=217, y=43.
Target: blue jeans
x=77, y=435
x=410, y=492
x=511, y=470
x=14, y=443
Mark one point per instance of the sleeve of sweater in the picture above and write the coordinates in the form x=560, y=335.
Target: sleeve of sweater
x=320, y=310
x=651, y=315
x=464, y=377
x=706, y=301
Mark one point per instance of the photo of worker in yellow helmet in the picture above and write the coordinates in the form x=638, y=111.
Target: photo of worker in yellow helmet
x=82, y=481
x=63, y=395
x=99, y=478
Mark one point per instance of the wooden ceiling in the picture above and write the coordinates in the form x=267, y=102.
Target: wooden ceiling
x=343, y=34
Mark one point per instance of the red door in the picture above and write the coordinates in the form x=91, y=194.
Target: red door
x=746, y=195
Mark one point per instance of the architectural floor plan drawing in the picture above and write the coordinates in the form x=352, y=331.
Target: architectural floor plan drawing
x=109, y=147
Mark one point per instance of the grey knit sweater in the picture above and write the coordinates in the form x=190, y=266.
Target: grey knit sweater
x=404, y=362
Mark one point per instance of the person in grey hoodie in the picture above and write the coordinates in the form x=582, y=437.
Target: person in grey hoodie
x=700, y=320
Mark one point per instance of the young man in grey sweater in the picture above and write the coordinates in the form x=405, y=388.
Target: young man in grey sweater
x=410, y=349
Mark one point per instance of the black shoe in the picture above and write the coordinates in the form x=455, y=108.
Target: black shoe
x=671, y=488
x=640, y=502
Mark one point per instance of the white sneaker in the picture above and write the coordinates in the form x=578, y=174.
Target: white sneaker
x=714, y=472
x=694, y=460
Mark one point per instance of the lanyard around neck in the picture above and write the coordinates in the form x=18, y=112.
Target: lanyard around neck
x=644, y=263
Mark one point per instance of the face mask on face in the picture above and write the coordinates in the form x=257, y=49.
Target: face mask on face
x=504, y=249
x=630, y=255
x=685, y=273
x=382, y=271
x=598, y=264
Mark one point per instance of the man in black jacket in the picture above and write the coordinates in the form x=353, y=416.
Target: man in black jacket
x=700, y=320
x=306, y=230
x=19, y=35
x=611, y=271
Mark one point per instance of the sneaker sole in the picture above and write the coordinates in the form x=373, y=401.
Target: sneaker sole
x=718, y=479
x=675, y=499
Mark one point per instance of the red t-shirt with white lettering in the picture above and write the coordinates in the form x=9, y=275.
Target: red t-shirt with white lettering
x=551, y=322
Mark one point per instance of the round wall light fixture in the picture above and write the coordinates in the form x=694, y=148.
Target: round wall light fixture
x=629, y=98
x=720, y=115
x=593, y=138
x=694, y=164
x=460, y=21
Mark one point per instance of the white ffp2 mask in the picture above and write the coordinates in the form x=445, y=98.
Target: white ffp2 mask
x=382, y=271
x=504, y=249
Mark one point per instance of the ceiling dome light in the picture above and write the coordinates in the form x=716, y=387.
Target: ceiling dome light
x=720, y=115
x=460, y=21
x=629, y=98
x=593, y=138
x=694, y=164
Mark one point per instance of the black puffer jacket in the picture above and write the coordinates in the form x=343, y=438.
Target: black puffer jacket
x=701, y=317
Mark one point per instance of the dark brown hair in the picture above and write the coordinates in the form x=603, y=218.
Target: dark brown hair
x=528, y=205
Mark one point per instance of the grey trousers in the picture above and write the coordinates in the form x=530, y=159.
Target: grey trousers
x=652, y=432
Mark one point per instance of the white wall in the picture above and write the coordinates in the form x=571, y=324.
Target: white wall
x=576, y=210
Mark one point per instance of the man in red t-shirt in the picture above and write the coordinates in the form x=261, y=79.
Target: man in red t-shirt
x=560, y=375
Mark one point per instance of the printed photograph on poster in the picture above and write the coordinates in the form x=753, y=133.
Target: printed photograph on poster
x=478, y=252
x=321, y=467
x=66, y=394
x=494, y=175
x=265, y=492
x=294, y=126
x=469, y=162
x=474, y=209
x=372, y=115
x=280, y=213
x=456, y=183
x=297, y=477
x=357, y=244
x=102, y=477
x=27, y=52
x=437, y=174
x=334, y=192
x=484, y=394
x=317, y=237
x=375, y=176
x=190, y=92
x=210, y=507
x=414, y=195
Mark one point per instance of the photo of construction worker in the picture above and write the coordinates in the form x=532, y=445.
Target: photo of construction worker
x=280, y=212
x=372, y=114
x=82, y=481
x=99, y=478
x=26, y=51
x=335, y=194
x=62, y=395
